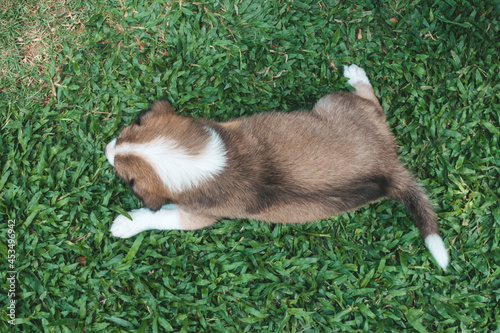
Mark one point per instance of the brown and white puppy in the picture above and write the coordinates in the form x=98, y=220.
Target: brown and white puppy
x=278, y=167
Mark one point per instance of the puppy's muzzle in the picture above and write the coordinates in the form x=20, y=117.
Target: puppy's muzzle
x=110, y=152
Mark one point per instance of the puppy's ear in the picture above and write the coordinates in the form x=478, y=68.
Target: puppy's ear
x=153, y=202
x=151, y=194
x=159, y=108
x=162, y=107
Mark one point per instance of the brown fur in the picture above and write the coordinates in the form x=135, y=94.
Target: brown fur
x=283, y=167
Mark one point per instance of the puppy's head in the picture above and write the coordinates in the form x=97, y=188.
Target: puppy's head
x=130, y=151
x=162, y=154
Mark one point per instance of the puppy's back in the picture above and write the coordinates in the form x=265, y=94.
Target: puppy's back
x=313, y=150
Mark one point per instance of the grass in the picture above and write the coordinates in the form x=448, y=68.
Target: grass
x=73, y=73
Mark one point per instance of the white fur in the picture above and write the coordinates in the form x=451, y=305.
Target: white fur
x=167, y=218
x=355, y=74
x=110, y=151
x=177, y=169
x=436, y=247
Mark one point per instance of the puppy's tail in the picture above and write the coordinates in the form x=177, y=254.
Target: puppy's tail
x=412, y=195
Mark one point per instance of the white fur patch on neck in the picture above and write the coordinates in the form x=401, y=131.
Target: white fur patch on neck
x=179, y=170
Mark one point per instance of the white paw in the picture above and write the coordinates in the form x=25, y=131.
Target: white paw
x=355, y=74
x=167, y=218
x=124, y=228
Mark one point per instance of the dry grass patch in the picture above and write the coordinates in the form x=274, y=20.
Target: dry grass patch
x=33, y=35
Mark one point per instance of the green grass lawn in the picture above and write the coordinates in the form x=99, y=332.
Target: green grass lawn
x=74, y=73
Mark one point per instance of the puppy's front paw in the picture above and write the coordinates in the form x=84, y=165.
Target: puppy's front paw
x=355, y=74
x=124, y=228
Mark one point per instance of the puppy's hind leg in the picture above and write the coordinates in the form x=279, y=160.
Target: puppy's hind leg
x=358, y=79
x=169, y=217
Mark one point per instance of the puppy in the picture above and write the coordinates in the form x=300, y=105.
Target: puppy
x=278, y=167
